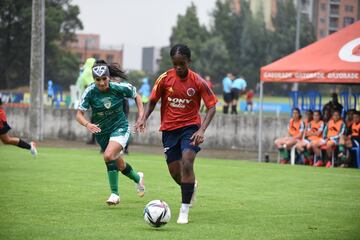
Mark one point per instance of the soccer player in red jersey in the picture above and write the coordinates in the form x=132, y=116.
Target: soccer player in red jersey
x=181, y=90
x=10, y=140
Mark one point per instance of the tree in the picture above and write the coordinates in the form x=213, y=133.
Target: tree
x=61, y=21
x=209, y=53
x=187, y=31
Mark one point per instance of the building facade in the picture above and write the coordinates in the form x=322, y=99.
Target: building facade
x=88, y=45
x=332, y=15
x=150, y=59
x=327, y=16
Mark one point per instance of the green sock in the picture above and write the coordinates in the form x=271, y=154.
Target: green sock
x=341, y=148
x=113, y=174
x=306, y=153
x=130, y=173
x=284, y=154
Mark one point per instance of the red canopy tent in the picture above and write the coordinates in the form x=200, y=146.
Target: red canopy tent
x=334, y=59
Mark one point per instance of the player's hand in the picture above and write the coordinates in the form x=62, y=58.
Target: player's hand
x=140, y=125
x=93, y=128
x=198, y=137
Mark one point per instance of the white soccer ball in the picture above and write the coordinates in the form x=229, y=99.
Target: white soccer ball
x=157, y=213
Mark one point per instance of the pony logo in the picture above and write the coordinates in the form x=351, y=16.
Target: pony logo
x=99, y=71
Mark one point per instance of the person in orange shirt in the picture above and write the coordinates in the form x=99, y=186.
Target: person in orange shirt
x=334, y=129
x=181, y=90
x=295, y=133
x=353, y=138
x=312, y=134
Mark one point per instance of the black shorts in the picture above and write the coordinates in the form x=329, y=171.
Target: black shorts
x=178, y=140
x=4, y=127
x=235, y=93
x=227, y=97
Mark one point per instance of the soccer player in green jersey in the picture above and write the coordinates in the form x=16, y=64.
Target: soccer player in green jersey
x=110, y=125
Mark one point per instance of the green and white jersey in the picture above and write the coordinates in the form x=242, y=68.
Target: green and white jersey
x=107, y=107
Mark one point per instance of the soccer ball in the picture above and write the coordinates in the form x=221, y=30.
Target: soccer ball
x=157, y=213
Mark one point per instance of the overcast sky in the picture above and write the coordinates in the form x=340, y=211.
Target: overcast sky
x=136, y=23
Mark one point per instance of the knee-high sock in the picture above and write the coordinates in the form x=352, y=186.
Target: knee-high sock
x=187, y=190
x=226, y=109
x=23, y=144
x=130, y=173
x=112, y=172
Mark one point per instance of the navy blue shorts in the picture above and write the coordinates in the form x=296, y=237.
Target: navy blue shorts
x=178, y=140
x=353, y=139
x=4, y=127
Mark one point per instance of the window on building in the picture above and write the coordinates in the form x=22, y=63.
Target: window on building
x=334, y=9
x=323, y=7
x=109, y=58
x=322, y=33
x=348, y=21
x=334, y=22
x=332, y=31
x=349, y=8
x=322, y=20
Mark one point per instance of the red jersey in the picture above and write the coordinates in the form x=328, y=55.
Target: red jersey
x=181, y=98
x=2, y=117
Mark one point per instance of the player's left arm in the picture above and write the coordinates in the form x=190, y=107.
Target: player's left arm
x=210, y=101
x=140, y=108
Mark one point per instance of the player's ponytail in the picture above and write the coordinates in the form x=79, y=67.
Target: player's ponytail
x=115, y=71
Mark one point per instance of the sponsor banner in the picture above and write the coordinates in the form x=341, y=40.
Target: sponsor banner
x=316, y=77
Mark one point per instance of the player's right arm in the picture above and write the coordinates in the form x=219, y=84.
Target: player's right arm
x=83, y=107
x=154, y=98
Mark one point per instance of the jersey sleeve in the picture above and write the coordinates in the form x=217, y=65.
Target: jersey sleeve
x=207, y=94
x=85, y=98
x=126, y=89
x=157, y=89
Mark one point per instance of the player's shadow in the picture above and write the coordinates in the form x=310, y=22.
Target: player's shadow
x=164, y=229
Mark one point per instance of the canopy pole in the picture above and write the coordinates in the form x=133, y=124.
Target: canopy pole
x=260, y=122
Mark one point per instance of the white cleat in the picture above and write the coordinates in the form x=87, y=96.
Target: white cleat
x=33, y=150
x=140, y=187
x=114, y=199
x=183, y=217
x=193, y=197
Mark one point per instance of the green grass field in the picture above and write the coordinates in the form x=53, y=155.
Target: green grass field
x=62, y=193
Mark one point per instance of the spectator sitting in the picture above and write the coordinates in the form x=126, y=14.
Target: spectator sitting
x=295, y=133
x=313, y=133
x=349, y=141
x=331, y=137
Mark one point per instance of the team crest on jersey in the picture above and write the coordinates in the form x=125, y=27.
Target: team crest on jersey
x=107, y=103
x=190, y=92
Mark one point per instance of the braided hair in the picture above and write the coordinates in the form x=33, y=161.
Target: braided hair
x=181, y=49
